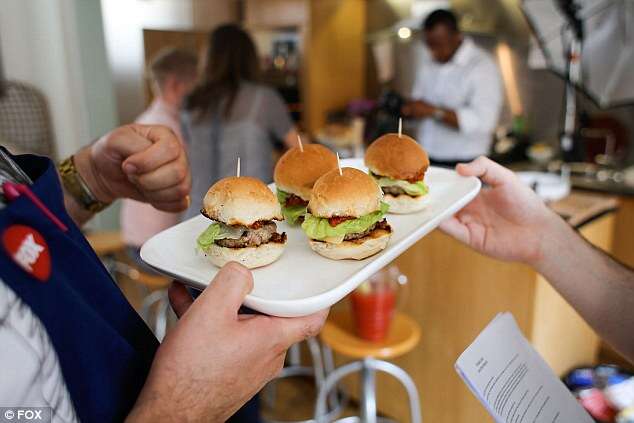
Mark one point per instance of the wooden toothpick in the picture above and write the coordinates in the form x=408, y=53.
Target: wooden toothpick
x=400, y=127
x=299, y=141
x=339, y=165
x=238, y=168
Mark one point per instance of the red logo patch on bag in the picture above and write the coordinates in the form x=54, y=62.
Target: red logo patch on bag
x=28, y=249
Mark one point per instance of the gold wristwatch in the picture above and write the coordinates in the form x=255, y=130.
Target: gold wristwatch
x=77, y=187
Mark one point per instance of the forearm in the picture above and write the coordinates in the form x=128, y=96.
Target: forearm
x=596, y=285
x=79, y=215
x=422, y=110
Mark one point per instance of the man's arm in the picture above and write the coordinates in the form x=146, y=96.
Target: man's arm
x=420, y=109
x=146, y=163
x=600, y=288
x=480, y=113
x=508, y=221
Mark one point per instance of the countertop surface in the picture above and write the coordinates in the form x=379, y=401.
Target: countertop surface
x=580, y=207
x=610, y=181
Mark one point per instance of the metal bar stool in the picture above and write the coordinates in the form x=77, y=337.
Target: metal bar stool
x=322, y=365
x=339, y=334
x=155, y=307
x=154, y=286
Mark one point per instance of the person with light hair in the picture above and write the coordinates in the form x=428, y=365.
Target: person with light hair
x=172, y=74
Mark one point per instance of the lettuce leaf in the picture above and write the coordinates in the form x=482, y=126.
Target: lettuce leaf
x=217, y=231
x=292, y=213
x=281, y=196
x=318, y=228
x=414, y=189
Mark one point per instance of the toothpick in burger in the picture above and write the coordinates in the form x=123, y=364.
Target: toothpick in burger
x=345, y=218
x=243, y=212
x=398, y=164
x=295, y=174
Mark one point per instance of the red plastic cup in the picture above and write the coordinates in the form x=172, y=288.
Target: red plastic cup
x=373, y=312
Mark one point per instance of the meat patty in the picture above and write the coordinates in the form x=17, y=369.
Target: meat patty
x=295, y=200
x=265, y=232
x=378, y=225
x=395, y=191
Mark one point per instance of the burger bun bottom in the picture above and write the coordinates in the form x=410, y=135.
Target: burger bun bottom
x=250, y=257
x=365, y=247
x=404, y=204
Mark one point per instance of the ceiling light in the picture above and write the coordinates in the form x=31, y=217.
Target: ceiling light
x=404, y=32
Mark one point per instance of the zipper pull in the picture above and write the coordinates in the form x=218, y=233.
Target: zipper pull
x=12, y=191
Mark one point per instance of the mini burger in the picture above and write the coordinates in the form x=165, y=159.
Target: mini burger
x=345, y=218
x=243, y=211
x=398, y=164
x=295, y=174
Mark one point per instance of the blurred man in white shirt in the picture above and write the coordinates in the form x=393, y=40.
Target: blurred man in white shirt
x=173, y=76
x=457, y=94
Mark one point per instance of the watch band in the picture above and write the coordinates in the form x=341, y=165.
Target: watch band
x=77, y=187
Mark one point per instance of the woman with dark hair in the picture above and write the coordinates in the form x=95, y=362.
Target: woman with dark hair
x=231, y=115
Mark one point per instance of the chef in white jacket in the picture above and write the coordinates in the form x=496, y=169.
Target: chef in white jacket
x=457, y=94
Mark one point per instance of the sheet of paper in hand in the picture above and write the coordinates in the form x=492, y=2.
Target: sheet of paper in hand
x=512, y=380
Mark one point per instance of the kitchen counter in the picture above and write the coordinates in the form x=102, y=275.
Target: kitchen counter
x=454, y=293
x=600, y=183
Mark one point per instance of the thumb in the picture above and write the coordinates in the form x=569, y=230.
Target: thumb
x=487, y=170
x=456, y=229
x=227, y=290
x=297, y=329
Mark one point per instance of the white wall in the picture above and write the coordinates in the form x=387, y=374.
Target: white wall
x=58, y=46
x=124, y=21
x=38, y=48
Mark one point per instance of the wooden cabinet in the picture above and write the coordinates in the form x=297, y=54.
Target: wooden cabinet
x=333, y=49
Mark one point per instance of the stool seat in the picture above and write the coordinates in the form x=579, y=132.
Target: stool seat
x=105, y=243
x=152, y=281
x=339, y=333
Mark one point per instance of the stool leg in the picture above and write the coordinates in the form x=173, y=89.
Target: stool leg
x=368, y=393
x=293, y=355
x=402, y=376
x=329, y=367
x=333, y=378
x=318, y=364
x=161, y=316
x=147, y=304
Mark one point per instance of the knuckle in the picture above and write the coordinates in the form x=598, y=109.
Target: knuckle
x=180, y=173
x=183, y=190
x=309, y=330
x=173, y=147
x=279, y=348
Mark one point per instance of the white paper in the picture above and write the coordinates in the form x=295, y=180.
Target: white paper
x=512, y=380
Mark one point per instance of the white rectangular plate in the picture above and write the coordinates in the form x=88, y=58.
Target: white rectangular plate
x=302, y=282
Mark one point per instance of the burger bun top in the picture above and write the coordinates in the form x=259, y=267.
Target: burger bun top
x=296, y=171
x=353, y=193
x=241, y=201
x=397, y=157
